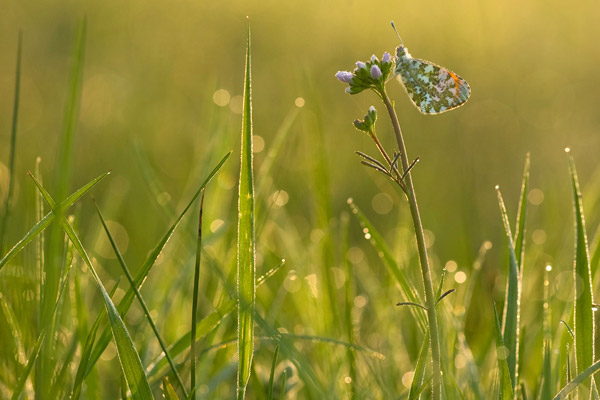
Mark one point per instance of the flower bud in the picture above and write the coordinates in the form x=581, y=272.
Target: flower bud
x=374, y=59
x=386, y=58
x=375, y=71
x=344, y=76
x=361, y=65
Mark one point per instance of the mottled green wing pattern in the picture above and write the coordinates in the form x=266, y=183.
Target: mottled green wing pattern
x=432, y=89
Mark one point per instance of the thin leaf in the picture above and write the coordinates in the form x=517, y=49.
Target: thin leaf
x=204, y=326
x=87, y=350
x=125, y=303
x=246, y=268
x=350, y=294
x=195, y=296
x=283, y=383
x=18, y=389
x=271, y=376
x=168, y=391
x=584, y=316
x=378, y=243
x=129, y=359
x=505, y=388
x=578, y=380
x=519, y=238
x=419, y=373
x=511, y=316
x=48, y=218
x=125, y=269
x=13, y=145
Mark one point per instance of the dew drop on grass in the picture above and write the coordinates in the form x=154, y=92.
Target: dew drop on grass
x=535, y=197
x=451, y=266
x=103, y=247
x=360, y=301
x=538, y=236
x=355, y=255
x=216, y=224
x=221, y=97
x=460, y=361
x=347, y=379
x=312, y=280
x=548, y=267
x=291, y=282
x=460, y=277
x=163, y=198
x=407, y=379
x=299, y=102
x=236, y=104
x=429, y=238
x=316, y=235
x=280, y=198
x=226, y=181
x=258, y=144
x=382, y=203
x=502, y=352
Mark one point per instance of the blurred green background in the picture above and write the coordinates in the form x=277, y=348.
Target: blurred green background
x=152, y=70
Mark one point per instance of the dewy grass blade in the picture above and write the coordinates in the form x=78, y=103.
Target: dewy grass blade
x=48, y=218
x=349, y=306
x=129, y=358
x=419, y=373
x=145, y=269
x=379, y=244
x=245, y=245
x=204, y=326
x=195, y=297
x=505, y=387
x=63, y=169
x=13, y=145
x=125, y=269
x=87, y=349
x=519, y=238
x=272, y=374
x=578, y=380
x=584, y=315
x=18, y=389
x=511, y=316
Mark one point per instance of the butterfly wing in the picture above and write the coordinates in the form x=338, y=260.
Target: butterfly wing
x=432, y=89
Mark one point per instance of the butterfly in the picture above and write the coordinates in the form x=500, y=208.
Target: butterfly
x=431, y=88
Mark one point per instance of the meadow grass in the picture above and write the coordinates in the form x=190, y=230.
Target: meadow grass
x=216, y=313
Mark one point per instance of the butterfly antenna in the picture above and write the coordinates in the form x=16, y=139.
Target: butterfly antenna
x=397, y=34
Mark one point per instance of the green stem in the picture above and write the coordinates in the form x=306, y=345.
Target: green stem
x=425, y=270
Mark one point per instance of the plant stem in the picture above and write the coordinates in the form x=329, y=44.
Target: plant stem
x=425, y=270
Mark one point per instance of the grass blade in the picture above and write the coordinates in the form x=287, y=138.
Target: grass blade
x=505, y=388
x=125, y=303
x=48, y=218
x=123, y=265
x=419, y=374
x=195, y=298
x=511, y=316
x=349, y=306
x=246, y=242
x=519, y=238
x=272, y=375
x=129, y=358
x=13, y=145
x=168, y=391
x=578, y=380
x=378, y=243
x=584, y=316
x=87, y=349
x=18, y=389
